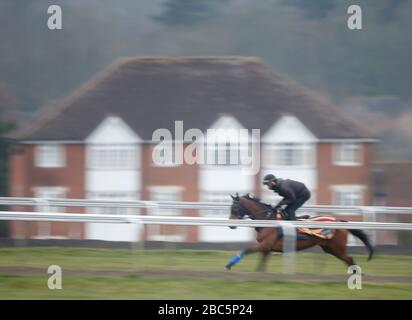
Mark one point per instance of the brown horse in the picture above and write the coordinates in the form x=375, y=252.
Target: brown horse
x=268, y=239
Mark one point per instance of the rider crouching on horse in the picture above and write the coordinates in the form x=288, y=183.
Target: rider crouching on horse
x=294, y=194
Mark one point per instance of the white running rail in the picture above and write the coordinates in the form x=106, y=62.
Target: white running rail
x=194, y=221
x=14, y=201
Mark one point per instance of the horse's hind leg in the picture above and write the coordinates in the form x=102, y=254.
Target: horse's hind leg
x=337, y=247
x=338, y=253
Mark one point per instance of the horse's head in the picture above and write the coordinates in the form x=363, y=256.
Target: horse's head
x=237, y=210
x=248, y=206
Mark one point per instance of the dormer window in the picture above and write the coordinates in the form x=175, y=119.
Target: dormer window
x=223, y=154
x=288, y=154
x=112, y=157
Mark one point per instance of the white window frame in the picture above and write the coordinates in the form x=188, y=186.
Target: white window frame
x=43, y=193
x=153, y=231
x=216, y=152
x=43, y=153
x=225, y=152
x=113, y=196
x=49, y=193
x=177, y=190
x=271, y=151
x=112, y=157
x=339, y=156
x=337, y=189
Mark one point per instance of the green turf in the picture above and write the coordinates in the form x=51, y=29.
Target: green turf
x=192, y=260
x=35, y=287
x=145, y=287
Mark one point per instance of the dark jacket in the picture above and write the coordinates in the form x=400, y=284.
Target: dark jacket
x=290, y=190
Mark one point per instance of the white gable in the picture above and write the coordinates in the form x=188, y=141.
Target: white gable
x=228, y=128
x=226, y=121
x=289, y=130
x=113, y=130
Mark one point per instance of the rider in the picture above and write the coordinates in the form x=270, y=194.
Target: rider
x=294, y=194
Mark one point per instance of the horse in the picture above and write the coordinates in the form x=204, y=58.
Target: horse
x=270, y=240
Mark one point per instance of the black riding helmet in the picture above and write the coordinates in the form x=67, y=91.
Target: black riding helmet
x=269, y=177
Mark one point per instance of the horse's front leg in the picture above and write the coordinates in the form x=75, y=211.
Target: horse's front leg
x=265, y=246
x=262, y=264
x=235, y=259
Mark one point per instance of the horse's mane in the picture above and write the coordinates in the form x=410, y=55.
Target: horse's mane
x=251, y=197
x=256, y=199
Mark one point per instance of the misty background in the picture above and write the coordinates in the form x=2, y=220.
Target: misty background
x=367, y=73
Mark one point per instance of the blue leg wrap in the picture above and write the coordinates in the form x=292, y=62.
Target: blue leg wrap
x=235, y=259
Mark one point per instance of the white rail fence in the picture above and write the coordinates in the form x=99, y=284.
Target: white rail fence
x=368, y=213
x=289, y=227
x=194, y=221
x=10, y=201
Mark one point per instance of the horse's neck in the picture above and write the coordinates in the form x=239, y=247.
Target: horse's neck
x=258, y=212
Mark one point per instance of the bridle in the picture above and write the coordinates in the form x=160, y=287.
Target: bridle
x=241, y=211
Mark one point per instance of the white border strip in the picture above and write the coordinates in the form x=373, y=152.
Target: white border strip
x=193, y=221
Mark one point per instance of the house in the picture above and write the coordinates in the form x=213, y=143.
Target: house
x=97, y=143
x=392, y=182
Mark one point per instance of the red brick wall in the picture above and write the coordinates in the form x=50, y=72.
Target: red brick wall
x=330, y=174
x=18, y=167
x=185, y=176
x=24, y=176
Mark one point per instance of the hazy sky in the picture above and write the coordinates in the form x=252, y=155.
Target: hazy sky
x=308, y=40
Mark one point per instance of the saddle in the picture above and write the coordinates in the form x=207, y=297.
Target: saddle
x=320, y=233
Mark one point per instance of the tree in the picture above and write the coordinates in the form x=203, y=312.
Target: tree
x=7, y=103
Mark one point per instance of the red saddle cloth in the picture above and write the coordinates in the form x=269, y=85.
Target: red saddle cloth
x=321, y=232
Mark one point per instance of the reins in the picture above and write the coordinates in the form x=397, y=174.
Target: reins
x=267, y=211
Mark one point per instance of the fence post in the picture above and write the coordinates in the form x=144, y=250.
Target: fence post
x=43, y=225
x=151, y=205
x=137, y=244
x=168, y=246
x=289, y=247
x=369, y=215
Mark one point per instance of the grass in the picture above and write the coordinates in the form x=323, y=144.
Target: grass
x=34, y=285
x=192, y=260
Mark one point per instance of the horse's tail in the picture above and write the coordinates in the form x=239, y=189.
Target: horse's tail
x=364, y=238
